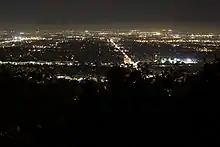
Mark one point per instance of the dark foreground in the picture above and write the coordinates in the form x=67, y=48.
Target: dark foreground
x=128, y=109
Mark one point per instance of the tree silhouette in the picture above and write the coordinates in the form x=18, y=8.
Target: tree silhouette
x=128, y=109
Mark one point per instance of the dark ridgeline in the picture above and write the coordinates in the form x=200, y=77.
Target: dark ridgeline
x=128, y=109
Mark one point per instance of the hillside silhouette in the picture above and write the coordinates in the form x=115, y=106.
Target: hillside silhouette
x=173, y=108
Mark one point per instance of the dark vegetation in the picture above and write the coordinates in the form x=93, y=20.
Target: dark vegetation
x=128, y=109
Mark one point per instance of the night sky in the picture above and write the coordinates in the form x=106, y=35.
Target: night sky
x=109, y=11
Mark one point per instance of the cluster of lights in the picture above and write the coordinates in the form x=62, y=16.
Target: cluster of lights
x=41, y=63
x=70, y=78
x=19, y=38
x=176, y=60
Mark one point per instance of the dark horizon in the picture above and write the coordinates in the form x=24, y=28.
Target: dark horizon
x=194, y=27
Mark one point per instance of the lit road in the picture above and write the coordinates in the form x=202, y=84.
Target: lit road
x=127, y=59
